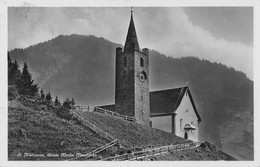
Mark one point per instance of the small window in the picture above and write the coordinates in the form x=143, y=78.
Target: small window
x=181, y=124
x=141, y=62
x=191, y=123
x=187, y=110
x=125, y=61
x=142, y=98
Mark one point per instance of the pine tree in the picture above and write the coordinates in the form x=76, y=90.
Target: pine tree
x=67, y=103
x=48, y=97
x=25, y=84
x=42, y=94
x=72, y=103
x=57, y=102
x=13, y=71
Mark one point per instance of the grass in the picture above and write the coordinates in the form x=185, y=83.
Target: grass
x=132, y=134
x=35, y=132
x=42, y=132
x=196, y=154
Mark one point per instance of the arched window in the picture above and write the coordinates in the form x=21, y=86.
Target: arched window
x=141, y=62
x=181, y=124
x=125, y=61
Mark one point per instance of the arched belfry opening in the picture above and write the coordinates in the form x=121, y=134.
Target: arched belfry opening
x=141, y=62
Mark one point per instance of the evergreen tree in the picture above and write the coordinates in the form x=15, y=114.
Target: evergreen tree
x=72, y=102
x=25, y=84
x=67, y=103
x=13, y=71
x=57, y=102
x=48, y=97
x=42, y=94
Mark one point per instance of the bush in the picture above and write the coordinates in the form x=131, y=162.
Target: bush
x=64, y=113
x=12, y=93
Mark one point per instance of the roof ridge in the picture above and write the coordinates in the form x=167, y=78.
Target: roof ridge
x=160, y=90
x=177, y=103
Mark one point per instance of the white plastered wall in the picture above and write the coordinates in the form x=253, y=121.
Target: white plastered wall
x=186, y=112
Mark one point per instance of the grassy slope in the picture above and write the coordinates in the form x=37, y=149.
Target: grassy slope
x=35, y=128
x=132, y=134
x=42, y=132
x=195, y=154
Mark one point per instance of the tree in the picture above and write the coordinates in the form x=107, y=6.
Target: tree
x=72, y=103
x=48, y=97
x=69, y=104
x=25, y=83
x=42, y=94
x=57, y=102
x=66, y=103
x=13, y=71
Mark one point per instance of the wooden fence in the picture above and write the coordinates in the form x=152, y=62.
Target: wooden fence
x=93, y=127
x=96, y=151
x=151, y=152
x=98, y=131
x=89, y=108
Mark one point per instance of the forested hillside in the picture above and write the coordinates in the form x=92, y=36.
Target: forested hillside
x=83, y=67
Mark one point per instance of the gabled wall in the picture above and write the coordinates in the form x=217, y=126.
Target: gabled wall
x=186, y=112
x=171, y=123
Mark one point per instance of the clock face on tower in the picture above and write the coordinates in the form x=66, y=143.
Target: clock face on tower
x=142, y=77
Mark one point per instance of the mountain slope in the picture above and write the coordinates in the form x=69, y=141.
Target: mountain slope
x=83, y=67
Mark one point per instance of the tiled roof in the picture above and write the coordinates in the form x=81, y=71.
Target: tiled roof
x=165, y=102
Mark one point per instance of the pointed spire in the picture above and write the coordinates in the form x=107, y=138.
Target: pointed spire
x=131, y=42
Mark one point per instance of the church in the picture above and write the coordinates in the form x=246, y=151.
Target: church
x=171, y=110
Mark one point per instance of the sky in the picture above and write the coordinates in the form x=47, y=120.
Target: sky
x=218, y=34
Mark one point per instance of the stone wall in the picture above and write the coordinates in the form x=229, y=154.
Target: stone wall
x=132, y=94
x=124, y=90
x=142, y=97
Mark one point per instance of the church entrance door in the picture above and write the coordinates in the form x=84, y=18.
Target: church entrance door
x=186, y=135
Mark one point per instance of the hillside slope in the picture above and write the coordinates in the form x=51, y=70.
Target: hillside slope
x=132, y=134
x=36, y=133
x=40, y=131
x=83, y=67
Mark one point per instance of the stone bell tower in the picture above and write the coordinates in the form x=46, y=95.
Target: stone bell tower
x=132, y=78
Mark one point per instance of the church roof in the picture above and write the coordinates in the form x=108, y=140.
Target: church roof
x=170, y=98
x=165, y=102
x=131, y=42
